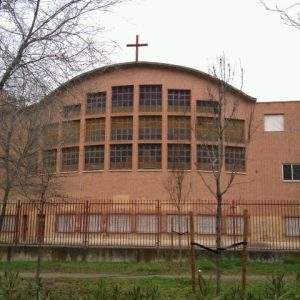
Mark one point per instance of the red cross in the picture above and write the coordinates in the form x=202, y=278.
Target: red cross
x=136, y=45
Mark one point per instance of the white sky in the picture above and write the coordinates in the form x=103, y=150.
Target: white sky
x=193, y=33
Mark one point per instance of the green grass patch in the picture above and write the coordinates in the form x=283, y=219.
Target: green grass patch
x=229, y=266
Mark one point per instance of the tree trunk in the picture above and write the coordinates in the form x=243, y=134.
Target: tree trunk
x=38, y=271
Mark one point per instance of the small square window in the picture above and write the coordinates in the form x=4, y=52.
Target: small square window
x=274, y=123
x=291, y=172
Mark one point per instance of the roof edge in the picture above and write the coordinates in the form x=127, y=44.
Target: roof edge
x=118, y=66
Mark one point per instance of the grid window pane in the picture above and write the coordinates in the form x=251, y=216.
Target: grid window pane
x=179, y=156
x=292, y=226
x=179, y=100
x=205, y=224
x=207, y=106
x=207, y=129
x=95, y=130
x=9, y=223
x=179, y=128
x=149, y=156
x=207, y=157
x=68, y=223
x=72, y=111
x=94, y=222
x=50, y=135
x=94, y=157
x=121, y=156
x=234, y=225
x=177, y=223
x=71, y=132
x=119, y=223
x=49, y=160
x=70, y=159
x=147, y=224
x=150, y=128
x=122, y=98
x=235, y=131
x=121, y=128
x=96, y=103
x=235, y=159
x=150, y=97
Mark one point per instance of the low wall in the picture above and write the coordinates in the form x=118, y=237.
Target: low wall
x=121, y=254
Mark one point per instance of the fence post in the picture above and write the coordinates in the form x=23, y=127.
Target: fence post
x=85, y=218
x=244, y=250
x=233, y=207
x=192, y=252
x=172, y=238
x=158, y=237
x=17, y=225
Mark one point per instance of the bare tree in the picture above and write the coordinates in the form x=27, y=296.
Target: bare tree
x=43, y=43
x=289, y=14
x=178, y=186
x=220, y=129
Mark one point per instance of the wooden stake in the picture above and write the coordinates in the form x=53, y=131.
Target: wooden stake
x=192, y=252
x=244, y=251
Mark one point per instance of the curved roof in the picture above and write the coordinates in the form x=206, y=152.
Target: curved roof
x=127, y=65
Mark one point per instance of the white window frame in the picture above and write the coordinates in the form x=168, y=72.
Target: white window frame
x=282, y=174
x=273, y=115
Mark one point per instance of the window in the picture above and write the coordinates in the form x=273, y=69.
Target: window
x=71, y=111
x=207, y=129
x=234, y=225
x=205, y=224
x=70, y=159
x=235, y=159
x=96, y=103
x=121, y=156
x=235, y=131
x=150, y=97
x=31, y=161
x=121, y=128
x=291, y=172
x=207, y=157
x=149, y=156
x=177, y=223
x=94, y=223
x=179, y=128
x=9, y=223
x=122, y=98
x=147, y=223
x=274, y=123
x=292, y=226
x=49, y=160
x=50, y=135
x=150, y=128
x=119, y=223
x=95, y=130
x=71, y=132
x=68, y=223
x=179, y=156
x=207, y=106
x=94, y=157
x=179, y=100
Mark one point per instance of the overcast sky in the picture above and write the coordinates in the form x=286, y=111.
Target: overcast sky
x=193, y=33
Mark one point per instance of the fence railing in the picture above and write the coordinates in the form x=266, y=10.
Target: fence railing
x=149, y=224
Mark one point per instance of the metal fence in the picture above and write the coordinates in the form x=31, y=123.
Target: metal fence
x=150, y=224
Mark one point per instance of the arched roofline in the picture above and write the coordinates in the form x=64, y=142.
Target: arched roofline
x=128, y=65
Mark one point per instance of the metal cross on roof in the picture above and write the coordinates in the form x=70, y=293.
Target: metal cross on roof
x=136, y=45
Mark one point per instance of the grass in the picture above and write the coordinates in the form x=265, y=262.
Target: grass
x=229, y=266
